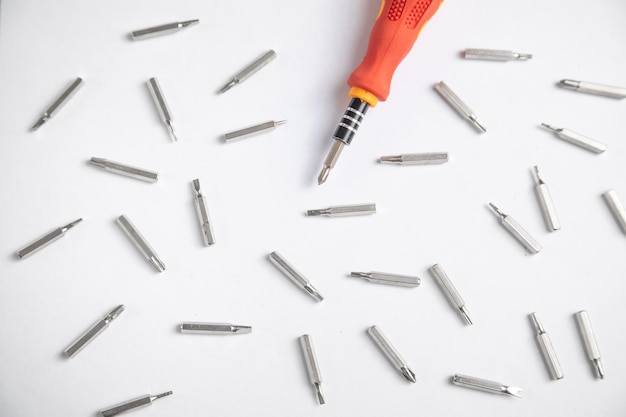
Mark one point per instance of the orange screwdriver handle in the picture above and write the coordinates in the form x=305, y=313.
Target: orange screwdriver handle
x=397, y=26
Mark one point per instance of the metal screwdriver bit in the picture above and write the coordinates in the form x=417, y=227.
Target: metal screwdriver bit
x=132, y=404
x=392, y=354
x=93, y=332
x=416, y=158
x=125, y=170
x=214, y=328
x=577, y=139
x=161, y=105
x=485, y=385
x=140, y=242
x=616, y=207
x=450, y=291
x=517, y=231
x=495, y=55
x=546, y=203
x=389, y=279
x=344, y=211
x=252, y=131
x=45, y=240
x=256, y=65
x=293, y=274
x=594, y=88
x=161, y=30
x=458, y=105
x=312, y=366
x=547, y=350
x=589, y=340
x=203, y=215
x=54, y=108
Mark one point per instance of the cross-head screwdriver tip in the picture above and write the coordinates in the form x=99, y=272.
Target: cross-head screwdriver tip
x=409, y=374
x=321, y=179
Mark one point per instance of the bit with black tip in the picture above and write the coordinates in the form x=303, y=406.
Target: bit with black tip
x=392, y=354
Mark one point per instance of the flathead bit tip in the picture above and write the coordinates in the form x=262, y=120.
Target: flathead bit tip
x=514, y=391
x=40, y=122
x=408, y=374
x=321, y=179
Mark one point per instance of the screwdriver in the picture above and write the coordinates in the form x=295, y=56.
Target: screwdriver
x=397, y=26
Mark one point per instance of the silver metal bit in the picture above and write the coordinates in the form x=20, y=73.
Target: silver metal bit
x=93, y=332
x=60, y=101
x=161, y=30
x=546, y=203
x=389, y=279
x=577, y=139
x=203, y=215
x=495, y=55
x=392, y=354
x=124, y=169
x=416, y=158
x=594, y=88
x=616, y=208
x=45, y=240
x=132, y=404
x=450, y=291
x=330, y=161
x=312, y=366
x=344, y=211
x=162, y=107
x=256, y=65
x=458, y=105
x=485, y=385
x=293, y=274
x=552, y=362
x=589, y=339
x=252, y=131
x=141, y=243
x=214, y=328
x=517, y=231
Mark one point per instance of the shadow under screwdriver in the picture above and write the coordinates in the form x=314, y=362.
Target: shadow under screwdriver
x=46, y=239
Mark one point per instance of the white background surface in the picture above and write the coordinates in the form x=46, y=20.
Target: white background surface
x=258, y=190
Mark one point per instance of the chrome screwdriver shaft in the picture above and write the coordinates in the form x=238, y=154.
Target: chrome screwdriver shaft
x=95, y=330
x=517, y=231
x=312, y=366
x=140, y=243
x=45, y=240
x=547, y=350
x=243, y=75
x=60, y=101
x=161, y=30
x=577, y=139
x=416, y=158
x=589, y=340
x=203, y=215
x=450, y=291
x=344, y=211
x=391, y=353
x=616, y=207
x=252, y=131
x=293, y=274
x=495, y=55
x=389, y=279
x=594, y=88
x=140, y=402
x=457, y=104
x=125, y=170
x=546, y=203
x=161, y=105
x=485, y=385
x=214, y=328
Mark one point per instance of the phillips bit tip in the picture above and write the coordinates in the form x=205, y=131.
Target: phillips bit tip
x=114, y=313
x=321, y=179
x=408, y=374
